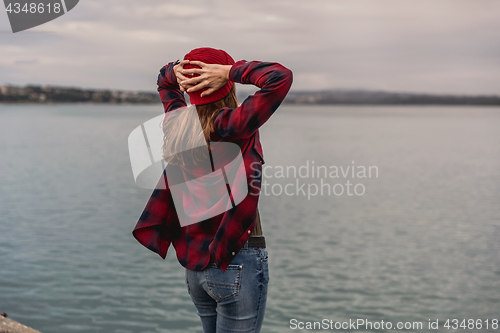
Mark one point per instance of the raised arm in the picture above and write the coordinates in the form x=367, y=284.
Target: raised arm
x=171, y=94
x=274, y=80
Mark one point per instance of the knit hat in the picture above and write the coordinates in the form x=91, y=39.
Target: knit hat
x=208, y=55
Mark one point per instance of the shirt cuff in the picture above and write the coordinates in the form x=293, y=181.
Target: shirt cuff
x=235, y=71
x=171, y=74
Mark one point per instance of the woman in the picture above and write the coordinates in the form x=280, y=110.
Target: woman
x=224, y=255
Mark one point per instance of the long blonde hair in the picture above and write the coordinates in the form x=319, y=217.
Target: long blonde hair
x=184, y=141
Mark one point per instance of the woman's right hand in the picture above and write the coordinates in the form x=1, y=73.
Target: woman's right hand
x=211, y=76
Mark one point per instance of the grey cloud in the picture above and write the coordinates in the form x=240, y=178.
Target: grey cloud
x=414, y=45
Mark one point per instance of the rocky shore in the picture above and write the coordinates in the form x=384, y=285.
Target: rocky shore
x=8, y=325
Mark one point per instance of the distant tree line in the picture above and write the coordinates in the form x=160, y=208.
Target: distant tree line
x=386, y=98
x=47, y=94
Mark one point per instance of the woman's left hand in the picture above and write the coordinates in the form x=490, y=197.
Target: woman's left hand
x=211, y=76
x=178, y=74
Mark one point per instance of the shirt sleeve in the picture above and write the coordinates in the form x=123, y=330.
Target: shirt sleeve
x=155, y=228
x=170, y=94
x=274, y=80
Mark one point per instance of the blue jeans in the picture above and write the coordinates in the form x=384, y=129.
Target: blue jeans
x=234, y=300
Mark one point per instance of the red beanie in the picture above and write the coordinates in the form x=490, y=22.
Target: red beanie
x=209, y=55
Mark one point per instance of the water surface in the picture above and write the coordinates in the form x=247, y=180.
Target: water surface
x=421, y=243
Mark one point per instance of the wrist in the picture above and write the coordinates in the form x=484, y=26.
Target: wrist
x=175, y=64
x=227, y=69
x=237, y=70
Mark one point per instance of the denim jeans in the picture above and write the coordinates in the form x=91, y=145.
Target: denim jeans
x=234, y=300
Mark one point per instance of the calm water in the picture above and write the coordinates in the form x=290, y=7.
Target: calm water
x=421, y=243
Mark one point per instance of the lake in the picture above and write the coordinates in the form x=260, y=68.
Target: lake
x=415, y=240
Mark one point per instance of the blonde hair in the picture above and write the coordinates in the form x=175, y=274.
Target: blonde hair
x=187, y=134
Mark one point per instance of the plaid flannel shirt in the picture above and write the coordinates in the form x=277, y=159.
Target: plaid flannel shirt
x=217, y=239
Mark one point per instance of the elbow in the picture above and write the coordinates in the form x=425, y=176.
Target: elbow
x=286, y=74
x=285, y=77
x=288, y=78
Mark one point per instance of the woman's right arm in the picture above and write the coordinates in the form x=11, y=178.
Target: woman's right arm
x=273, y=79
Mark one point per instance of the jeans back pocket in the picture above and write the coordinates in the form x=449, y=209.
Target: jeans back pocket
x=223, y=285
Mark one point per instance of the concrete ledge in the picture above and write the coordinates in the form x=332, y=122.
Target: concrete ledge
x=10, y=326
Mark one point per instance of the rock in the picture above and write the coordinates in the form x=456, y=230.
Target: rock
x=10, y=326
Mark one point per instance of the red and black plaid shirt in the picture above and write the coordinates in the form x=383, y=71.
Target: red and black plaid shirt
x=219, y=238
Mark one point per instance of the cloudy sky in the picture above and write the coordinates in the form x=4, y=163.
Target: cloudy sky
x=393, y=45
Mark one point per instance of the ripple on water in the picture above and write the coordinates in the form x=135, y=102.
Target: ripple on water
x=421, y=243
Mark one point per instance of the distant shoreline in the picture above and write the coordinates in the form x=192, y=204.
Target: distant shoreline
x=366, y=97
x=49, y=94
